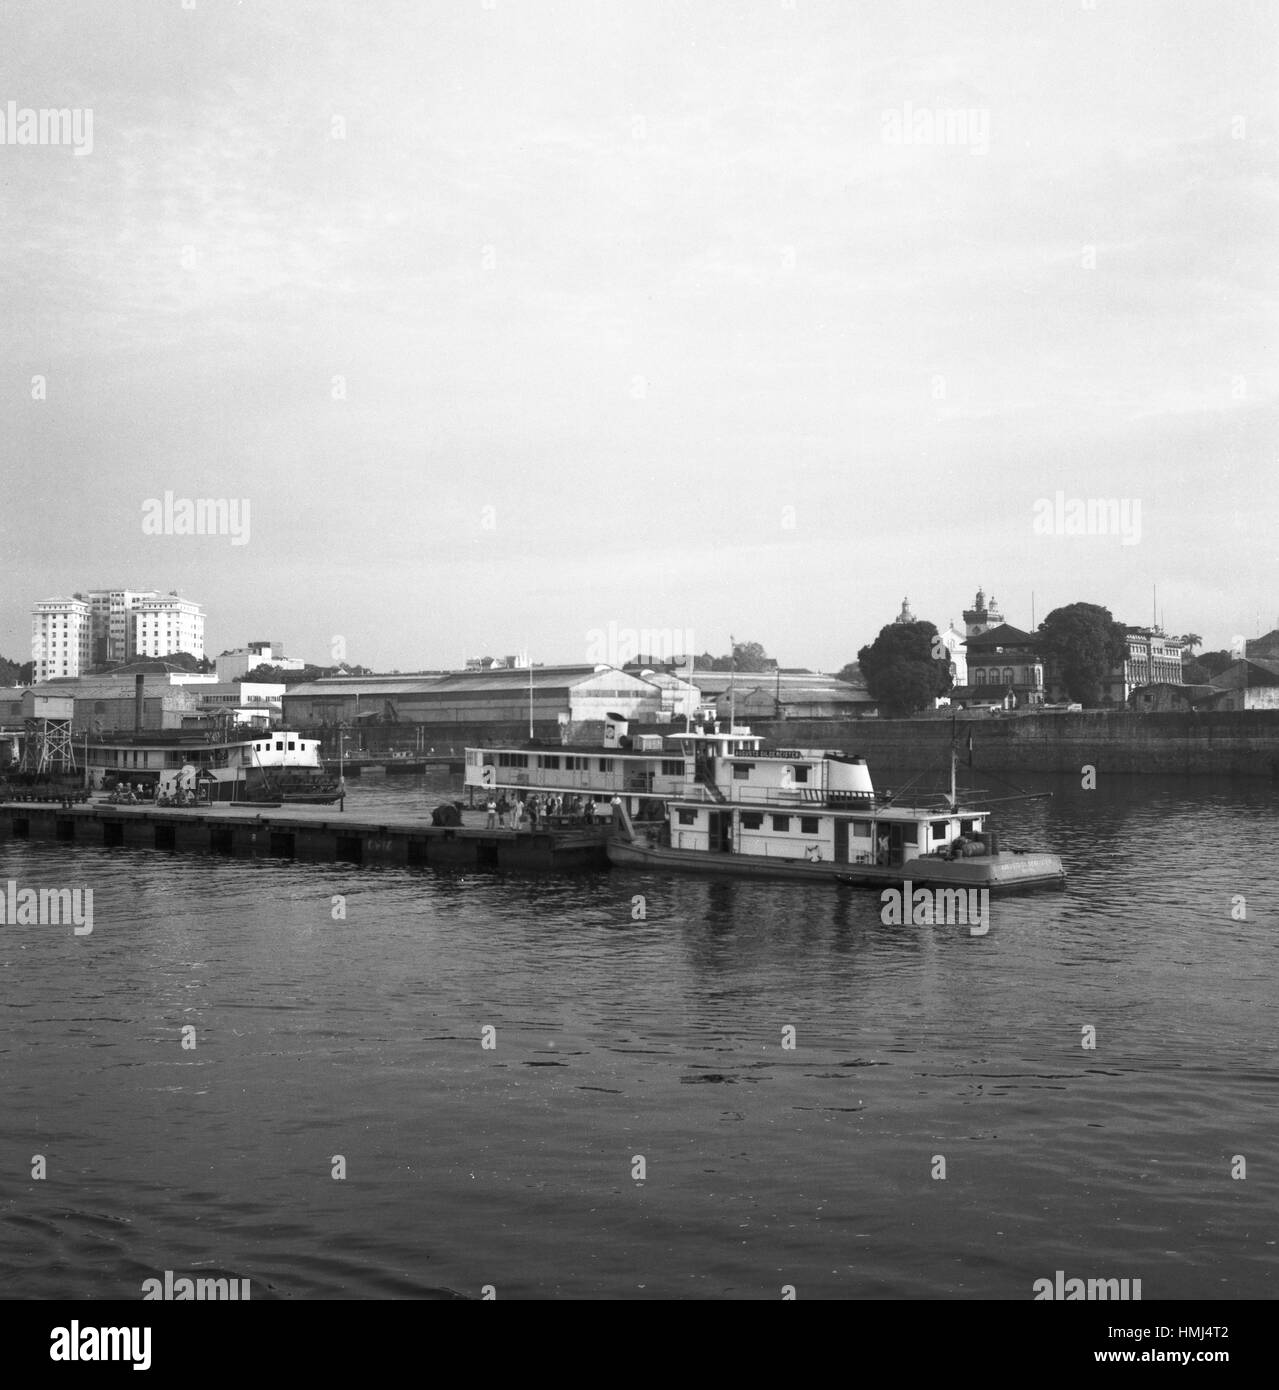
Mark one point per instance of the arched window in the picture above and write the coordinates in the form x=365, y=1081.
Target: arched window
x=1008, y=675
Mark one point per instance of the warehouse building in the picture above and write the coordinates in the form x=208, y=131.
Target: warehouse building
x=781, y=695
x=556, y=695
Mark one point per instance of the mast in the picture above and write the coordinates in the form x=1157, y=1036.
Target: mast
x=732, y=682
x=954, y=798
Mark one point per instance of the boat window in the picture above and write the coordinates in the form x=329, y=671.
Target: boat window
x=742, y=772
x=752, y=820
x=606, y=764
x=801, y=773
x=861, y=828
x=512, y=760
x=966, y=827
x=910, y=834
x=688, y=817
x=781, y=822
x=292, y=749
x=548, y=761
x=939, y=829
x=672, y=767
x=279, y=746
x=808, y=825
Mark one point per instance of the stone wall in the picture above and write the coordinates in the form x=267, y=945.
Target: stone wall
x=1234, y=743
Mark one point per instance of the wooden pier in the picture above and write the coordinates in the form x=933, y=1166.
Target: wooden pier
x=315, y=834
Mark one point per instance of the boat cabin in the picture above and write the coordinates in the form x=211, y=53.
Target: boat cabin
x=816, y=806
x=643, y=767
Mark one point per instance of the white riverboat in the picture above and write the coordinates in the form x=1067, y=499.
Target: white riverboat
x=257, y=766
x=789, y=813
x=643, y=771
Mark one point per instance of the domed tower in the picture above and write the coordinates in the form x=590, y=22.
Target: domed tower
x=905, y=616
x=982, y=616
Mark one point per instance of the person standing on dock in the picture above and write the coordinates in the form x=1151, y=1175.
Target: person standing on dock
x=503, y=810
x=518, y=818
x=491, y=808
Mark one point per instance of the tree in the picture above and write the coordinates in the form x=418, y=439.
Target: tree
x=852, y=673
x=1215, y=662
x=900, y=670
x=11, y=673
x=1086, y=644
x=267, y=674
x=747, y=656
x=1190, y=641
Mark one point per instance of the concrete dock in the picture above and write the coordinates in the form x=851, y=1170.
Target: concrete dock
x=312, y=833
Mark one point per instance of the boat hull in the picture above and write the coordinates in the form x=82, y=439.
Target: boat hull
x=1006, y=871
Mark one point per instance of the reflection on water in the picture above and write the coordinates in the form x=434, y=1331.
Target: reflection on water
x=356, y=1027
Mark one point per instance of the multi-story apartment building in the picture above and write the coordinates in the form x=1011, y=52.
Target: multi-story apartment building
x=111, y=616
x=60, y=630
x=166, y=624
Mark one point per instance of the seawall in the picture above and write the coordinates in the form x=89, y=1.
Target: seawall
x=1228, y=743
x=1224, y=743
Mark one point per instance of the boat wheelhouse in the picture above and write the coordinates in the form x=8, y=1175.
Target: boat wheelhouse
x=271, y=765
x=796, y=814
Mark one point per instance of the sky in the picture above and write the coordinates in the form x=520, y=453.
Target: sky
x=518, y=324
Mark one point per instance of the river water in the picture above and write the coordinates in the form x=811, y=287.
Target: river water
x=335, y=1127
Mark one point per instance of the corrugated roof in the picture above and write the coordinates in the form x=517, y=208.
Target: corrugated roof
x=715, y=681
x=508, y=682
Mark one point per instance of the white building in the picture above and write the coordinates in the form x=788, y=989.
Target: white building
x=60, y=630
x=168, y=624
x=232, y=665
x=956, y=643
x=111, y=618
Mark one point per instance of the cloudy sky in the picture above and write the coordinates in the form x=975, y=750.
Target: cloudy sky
x=514, y=320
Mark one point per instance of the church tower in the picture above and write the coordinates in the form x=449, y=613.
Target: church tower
x=982, y=616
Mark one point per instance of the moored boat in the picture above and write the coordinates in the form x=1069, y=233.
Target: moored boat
x=642, y=771
x=807, y=815
x=262, y=767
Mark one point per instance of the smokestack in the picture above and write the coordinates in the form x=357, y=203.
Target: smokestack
x=137, y=703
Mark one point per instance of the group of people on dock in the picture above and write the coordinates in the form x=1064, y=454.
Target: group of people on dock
x=522, y=814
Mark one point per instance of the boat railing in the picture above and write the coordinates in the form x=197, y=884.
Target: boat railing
x=791, y=798
x=743, y=794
